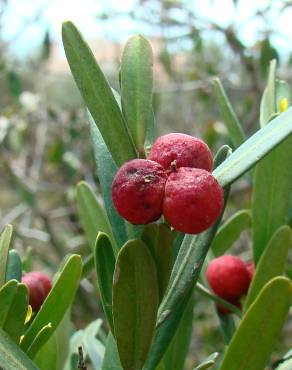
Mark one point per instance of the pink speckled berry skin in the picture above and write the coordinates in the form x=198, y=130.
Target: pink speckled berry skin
x=228, y=277
x=138, y=190
x=39, y=286
x=185, y=150
x=193, y=200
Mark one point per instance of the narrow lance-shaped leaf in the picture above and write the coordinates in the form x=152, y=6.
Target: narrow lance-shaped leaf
x=135, y=302
x=54, y=308
x=230, y=119
x=12, y=357
x=272, y=262
x=7, y=293
x=159, y=239
x=5, y=240
x=92, y=215
x=136, y=87
x=254, y=149
x=97, y=95
x=14, y=268
x=176, y=354
x=272, y=189
x=15, y=319
x=268, y=102
x=48, y=355
x=230, y=231
x=106, y=170
x=40, y=340
x=105, y=265
x=251, y=346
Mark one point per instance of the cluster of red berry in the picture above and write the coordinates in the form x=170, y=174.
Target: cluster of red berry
x=229, y=277
x=175, y=180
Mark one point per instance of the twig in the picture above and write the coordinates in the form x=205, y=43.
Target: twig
x=81, y=363
x=10, y=217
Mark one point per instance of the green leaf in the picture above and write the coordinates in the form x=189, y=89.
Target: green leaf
x=227, y=327
x=271, y=195
x=111, y=359
x=176, y=354
x=5, y=240
x=40, y=340
x=88, y=265
x=97, y=95
x=105, y=266
x=62, y=335
x=268, y=103
x=230, y=119
x=230, y=231
x=106, y=170
x=136, y=87
x=92, y=215
x=7, y=293
x=182, y=281
x=135, y=303
x=47, y=357
x=54, y=308
x=14, y=323
x=272, y=262
x=165, y=332
x=186, y=269
x=254, y=149
x=159, y=239
x=12, y=357
x=251, y=346
x=272, y=189
x=150, y=134
x=14, y=268
x=208, y=363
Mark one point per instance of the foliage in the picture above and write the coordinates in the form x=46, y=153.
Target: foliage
x=147, y=277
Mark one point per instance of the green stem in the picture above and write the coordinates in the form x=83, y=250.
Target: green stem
x=206, y=292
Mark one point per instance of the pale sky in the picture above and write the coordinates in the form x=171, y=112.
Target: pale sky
x=82, y=13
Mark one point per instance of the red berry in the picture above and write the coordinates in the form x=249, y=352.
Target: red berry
x=251, y=269
x=180, y=150
x=39, y=286
x=228, y=277
x=193, y=200
x=138, y=190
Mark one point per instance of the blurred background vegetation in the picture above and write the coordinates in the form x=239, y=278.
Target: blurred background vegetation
x=44, y=140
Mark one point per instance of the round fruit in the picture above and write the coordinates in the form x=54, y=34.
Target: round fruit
x=193, y=200
x=180, y=150
x=39, y=286
x=228, y=277
x=138, y=190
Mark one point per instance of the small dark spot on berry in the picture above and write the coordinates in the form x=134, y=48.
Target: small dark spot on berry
x=131, y=170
